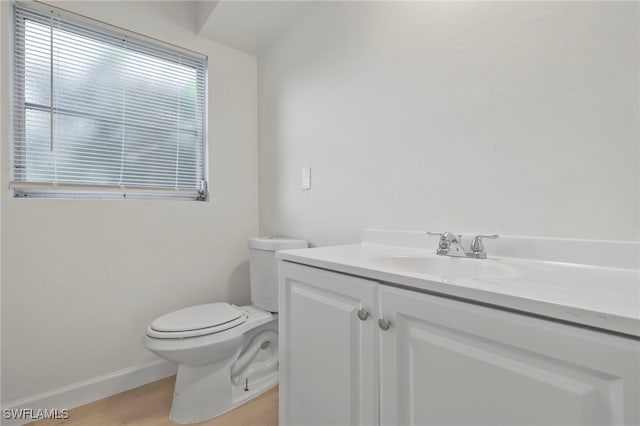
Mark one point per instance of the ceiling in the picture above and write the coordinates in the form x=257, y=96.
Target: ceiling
x=247, y=25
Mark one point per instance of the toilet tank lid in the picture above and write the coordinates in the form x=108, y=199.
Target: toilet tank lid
x=276, y=243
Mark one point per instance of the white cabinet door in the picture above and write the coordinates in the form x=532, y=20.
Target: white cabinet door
x=327, y=353
x=446, y=362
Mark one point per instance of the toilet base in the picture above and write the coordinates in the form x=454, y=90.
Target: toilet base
x=202, y=393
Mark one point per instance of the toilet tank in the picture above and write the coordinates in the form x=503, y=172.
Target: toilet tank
x=263, y=267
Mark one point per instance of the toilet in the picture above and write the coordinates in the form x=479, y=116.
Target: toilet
x=226, y=354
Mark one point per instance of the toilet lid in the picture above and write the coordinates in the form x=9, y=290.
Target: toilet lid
x=197, y=318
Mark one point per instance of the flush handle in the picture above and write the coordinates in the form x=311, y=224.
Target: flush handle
x=363, y=314
x=384, y=323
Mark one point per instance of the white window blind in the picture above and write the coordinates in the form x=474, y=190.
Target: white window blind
x=102, y=114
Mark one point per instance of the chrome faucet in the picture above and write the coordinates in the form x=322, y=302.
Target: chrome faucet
x=450, y=244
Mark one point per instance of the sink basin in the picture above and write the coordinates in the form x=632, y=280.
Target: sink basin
x=449, y=267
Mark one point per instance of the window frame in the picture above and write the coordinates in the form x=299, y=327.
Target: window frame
x=92, y=29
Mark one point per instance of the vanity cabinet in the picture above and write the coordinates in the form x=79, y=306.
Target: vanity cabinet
x=423, y=359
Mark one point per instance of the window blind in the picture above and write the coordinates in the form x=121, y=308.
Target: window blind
x=102, y=114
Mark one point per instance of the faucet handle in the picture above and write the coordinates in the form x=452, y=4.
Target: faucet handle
x=446, y=239
x=443, y=244
x=476, y=244
x=450, y=236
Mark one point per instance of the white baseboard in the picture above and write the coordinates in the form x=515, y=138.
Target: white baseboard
x=80, y=393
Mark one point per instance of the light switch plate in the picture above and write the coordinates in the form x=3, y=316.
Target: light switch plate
x=306, y=178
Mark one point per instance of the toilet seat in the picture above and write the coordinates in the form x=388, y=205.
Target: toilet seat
x=194, y=321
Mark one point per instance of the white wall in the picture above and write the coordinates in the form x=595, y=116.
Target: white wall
x=3, y=124
x=82, y=279
x=510, y=117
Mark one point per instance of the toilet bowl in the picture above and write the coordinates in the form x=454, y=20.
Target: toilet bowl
x=226, y=354
x=213, y=370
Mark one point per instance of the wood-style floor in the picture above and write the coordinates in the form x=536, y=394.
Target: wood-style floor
x=149, y=405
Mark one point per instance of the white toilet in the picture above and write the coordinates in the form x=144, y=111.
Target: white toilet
x=226, y=354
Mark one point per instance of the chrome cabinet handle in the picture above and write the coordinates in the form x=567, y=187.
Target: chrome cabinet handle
x=384, y=323
x=363, y=314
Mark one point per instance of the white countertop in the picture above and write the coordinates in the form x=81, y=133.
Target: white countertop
x=603, y=296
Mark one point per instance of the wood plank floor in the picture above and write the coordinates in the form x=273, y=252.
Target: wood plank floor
x=149, y=405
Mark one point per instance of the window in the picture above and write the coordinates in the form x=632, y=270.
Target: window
x=101, y=114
